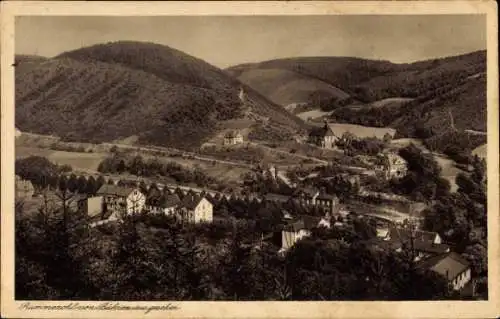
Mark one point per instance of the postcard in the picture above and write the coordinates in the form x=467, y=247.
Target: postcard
x=250, y=159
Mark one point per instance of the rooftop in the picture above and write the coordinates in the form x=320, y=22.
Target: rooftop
x=232, y=134
x=327, y=196
x=304, y=222
x=308, y=191
x=169, y=201
x=403, y=234
x=115, y=190
x=323, y=131
x=449, y=265
x=276, y=197
x=191, y=201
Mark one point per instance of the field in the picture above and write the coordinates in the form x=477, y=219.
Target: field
x=449, y=170
x=89, y=162
x=481, y=151
x=223, y=172
x=77, y=160
x=391, y=102
x=403, y=142
x=312, y=114
x=361, y=131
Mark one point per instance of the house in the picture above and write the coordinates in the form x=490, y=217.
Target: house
x=196, y=209
x=292, y=233
x=233, y=138
x=323, y=136
x=122, y=199
x=24, y=188
x=451, y=266
x=98, y=215
x=165, y=204
x=93, y=206
x=300, y=228
x=330, y=203
x=306, y=196
x=393, y=166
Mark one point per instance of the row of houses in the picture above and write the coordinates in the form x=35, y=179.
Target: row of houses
x=111, y=201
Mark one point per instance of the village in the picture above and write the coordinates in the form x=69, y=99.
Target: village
x=305, y=199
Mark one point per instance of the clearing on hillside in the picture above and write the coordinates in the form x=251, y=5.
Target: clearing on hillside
x=361, y=131
x=286, y=87
x=481, y=151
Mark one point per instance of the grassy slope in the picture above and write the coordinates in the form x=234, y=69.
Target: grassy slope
x=113, y=91
x=285, y=87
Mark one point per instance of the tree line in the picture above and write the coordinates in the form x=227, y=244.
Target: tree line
x=137, y=165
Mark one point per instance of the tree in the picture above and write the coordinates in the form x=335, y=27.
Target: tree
x=92, y=186
x=121, y=167
x=81, y=185
x=63, y=183
x=137, y=166
x=387, y=138
x=52, y=258
x=100, y=181
x=236, y=271
x=477, y=255
x=72, y=183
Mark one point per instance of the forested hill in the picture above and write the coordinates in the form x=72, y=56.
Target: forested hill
x=117, y=90
x=415, y=98
x=364, y=80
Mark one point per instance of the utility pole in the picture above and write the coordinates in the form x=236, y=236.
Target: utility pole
x=412, y=227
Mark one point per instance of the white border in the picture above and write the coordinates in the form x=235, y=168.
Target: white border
x=441, y=309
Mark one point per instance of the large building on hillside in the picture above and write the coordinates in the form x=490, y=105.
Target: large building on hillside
x=329, y=203
x=312, y=197
x=121, y=199
x=233, y=138
x=323, y=136
x=393, y=166
x=306, y=195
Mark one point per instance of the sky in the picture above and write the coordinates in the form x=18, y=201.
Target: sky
x=227, y=41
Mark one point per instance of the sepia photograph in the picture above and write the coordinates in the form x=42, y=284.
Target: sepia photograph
x=250, y=157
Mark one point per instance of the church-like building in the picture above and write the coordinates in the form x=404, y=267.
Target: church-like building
x=323, y=136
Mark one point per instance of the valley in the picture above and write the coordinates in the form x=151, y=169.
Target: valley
x=131, y=139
